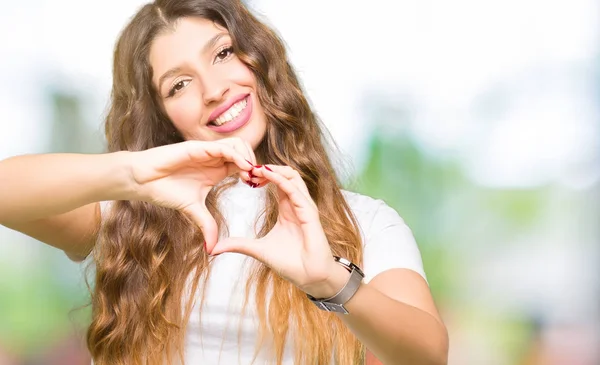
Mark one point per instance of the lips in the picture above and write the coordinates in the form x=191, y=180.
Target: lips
x=231, y=113
x=225, y=106
x=237, y=122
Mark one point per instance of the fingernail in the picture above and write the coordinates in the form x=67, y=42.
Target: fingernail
x=249, y=162
x=267, y=167
x=258, y=166
x=251, y=184
x=250, y=175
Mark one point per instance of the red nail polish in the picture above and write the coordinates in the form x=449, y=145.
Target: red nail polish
x=250, y=175
x=267, y=167
x=258, y=166
x=249, y=162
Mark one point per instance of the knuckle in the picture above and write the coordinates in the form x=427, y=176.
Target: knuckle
x=226, y=148
x=294, y=173
x=224, y=142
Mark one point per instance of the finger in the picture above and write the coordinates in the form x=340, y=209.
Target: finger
x=214, y=150
x=202, y=217
x=248, y=247
x=239, y=145
x=287, y=172
x=257, y=181
x=297, y=196
x=243, y=147
x=249, y=151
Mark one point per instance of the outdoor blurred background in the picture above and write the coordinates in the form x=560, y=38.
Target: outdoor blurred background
x=477, y=120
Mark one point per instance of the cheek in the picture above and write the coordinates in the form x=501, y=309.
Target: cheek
x=240, y=73
x=184, y=114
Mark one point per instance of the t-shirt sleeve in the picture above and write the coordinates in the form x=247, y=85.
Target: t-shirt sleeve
x=389, y=243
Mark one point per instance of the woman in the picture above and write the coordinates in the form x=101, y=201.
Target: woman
x=193, y=266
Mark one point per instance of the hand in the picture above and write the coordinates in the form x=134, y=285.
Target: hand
x=296, y=248
x=180, y=176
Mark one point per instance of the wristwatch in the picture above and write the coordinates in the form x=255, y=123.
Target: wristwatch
x=336, y=302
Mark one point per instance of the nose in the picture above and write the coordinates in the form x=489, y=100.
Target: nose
x=214, y=88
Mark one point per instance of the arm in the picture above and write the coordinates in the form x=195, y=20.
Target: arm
x=394, y=316
x=53, y=197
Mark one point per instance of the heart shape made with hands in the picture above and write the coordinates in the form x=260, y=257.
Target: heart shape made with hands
x=296, y=247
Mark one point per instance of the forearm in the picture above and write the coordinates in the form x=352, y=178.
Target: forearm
x=395, y=332
x=38, y=186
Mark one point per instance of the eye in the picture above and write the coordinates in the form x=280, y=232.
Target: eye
x=224, y=54
x=177, y=87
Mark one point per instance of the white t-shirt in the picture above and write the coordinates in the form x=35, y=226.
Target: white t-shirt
x=218, y=338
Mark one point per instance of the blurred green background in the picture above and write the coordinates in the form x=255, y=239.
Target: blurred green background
x=477, y=121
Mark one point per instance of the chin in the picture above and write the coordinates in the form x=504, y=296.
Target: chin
x=253, y=133
x=254, y=140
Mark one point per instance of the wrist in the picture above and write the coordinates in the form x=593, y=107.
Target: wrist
x=118, y=171
x=336, y=280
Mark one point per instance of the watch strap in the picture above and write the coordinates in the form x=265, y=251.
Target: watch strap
x=336, y=302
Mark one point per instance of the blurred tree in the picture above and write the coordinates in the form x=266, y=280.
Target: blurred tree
x=414, y=183
x=42, y=308
x=70, y=132
x=452, y=218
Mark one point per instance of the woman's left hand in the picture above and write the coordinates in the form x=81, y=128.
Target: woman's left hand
x=296, y=248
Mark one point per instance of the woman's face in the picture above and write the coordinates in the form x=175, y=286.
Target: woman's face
x=206, y=91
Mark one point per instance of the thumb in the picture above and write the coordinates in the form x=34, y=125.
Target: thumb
x=202, y=217
x=246, y=246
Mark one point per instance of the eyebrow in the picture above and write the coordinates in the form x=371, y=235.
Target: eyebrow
x=210, y=44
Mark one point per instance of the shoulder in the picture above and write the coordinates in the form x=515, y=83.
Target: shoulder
x=388, y=242
x=359, y=202
x=372, y=214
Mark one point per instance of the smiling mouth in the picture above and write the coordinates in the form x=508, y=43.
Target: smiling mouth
x=230, y=114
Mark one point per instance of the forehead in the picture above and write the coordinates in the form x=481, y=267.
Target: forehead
x=177, y=44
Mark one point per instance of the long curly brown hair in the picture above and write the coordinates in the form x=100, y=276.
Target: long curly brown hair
x=149, y=257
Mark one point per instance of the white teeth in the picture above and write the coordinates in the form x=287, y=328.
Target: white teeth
x=231, y=113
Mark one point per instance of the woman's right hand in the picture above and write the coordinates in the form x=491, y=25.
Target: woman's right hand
x=180, y=176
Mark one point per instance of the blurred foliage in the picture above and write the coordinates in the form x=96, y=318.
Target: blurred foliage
x=416, y=186
x=30, y=324
x=446, y=211
x=450, y=216
x=71, y=132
